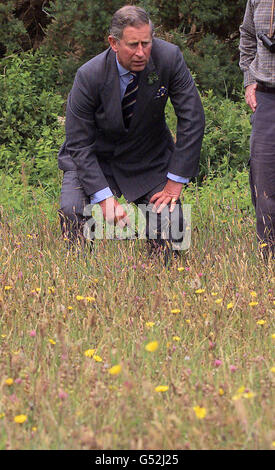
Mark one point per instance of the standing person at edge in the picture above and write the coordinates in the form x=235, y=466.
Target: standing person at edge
x=257, y=61
x=117, y=141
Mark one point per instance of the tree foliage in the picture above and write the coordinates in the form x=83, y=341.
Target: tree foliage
x=76, y=30
x=30, y=133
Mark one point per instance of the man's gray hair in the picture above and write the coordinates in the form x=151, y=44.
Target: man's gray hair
x=129, y=15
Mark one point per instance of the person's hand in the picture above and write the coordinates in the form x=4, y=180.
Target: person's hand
x=250, y=96
x=169, y=194
x=114, y=213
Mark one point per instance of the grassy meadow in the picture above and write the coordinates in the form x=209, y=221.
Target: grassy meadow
x=111, y=350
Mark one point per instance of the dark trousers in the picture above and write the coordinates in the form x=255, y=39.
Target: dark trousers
x=161, y=232
x=262, y=170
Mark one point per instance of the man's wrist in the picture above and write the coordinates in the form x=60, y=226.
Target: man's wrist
x=248, y=79
x=177, y=179
x=101, y=195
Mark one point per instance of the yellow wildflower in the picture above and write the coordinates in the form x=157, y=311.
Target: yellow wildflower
x=149, y=324
x=272, y=369
x=20, y=419
x=176, y=338
x=199, y=291
x=236, y=397
x=2, y=415
x=180, y=269
x=34, y=428
x=97, y=358
x=273, y=336
x=253, y=304
x=168, y=344
x=51, y=290
x=218, y=301
x=70, y=307
x=52, y=341
x=249, y=395
x=261, y=322
x=241, y=390
x=253, y=293
x=115, y=370
x=113, y=387
x=89, y=352
x=263, y=245
x=7, y=287
x=3, y=336
x=200, y=412
x=175, y=310
x=214, y=294
x=9, y=382
x=90, y=299
x=188, y=321
x=152, y=346
x=221, y=391
x=230, y=305
x=161, y=388
x=79, y=297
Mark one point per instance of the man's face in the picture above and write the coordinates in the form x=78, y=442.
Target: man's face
x=134, y=48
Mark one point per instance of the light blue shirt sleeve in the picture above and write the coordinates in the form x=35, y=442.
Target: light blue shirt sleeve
x=177, y=179
x=101, y=195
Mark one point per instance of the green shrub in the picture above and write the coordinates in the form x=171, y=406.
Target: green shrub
x=13, y=32
x=226, y=141
x=216, y=65
x=30, y=133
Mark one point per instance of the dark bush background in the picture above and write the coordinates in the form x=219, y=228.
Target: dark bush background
x=75, y=30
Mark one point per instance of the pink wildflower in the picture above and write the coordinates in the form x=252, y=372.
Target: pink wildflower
x=62, y=395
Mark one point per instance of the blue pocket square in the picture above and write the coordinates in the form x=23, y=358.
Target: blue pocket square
x=162, y=91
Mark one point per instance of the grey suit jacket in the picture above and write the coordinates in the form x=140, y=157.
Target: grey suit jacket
x=97, y=144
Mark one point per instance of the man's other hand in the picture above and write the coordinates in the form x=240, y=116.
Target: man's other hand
x=114, y=213
x=169, y=195
x=250, y=96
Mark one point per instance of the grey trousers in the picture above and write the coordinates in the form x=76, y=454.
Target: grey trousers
x=73, y=201
x=262, y=169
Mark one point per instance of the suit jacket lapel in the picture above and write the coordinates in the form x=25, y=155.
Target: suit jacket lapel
x=146, y=90
x=110, y=94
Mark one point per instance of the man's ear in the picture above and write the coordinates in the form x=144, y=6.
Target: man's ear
x=113, y=43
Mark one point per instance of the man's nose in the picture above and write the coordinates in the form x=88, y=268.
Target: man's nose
x=140, y=51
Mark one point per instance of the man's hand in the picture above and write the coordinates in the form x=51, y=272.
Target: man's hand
x=250, y=96
x=114, y=213
x=169, y=194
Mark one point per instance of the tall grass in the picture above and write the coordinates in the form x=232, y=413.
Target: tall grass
x=214, y=357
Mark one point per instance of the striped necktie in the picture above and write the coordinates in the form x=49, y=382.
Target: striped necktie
x=129, y=99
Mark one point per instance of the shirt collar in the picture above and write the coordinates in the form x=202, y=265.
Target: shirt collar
x=121, y=69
